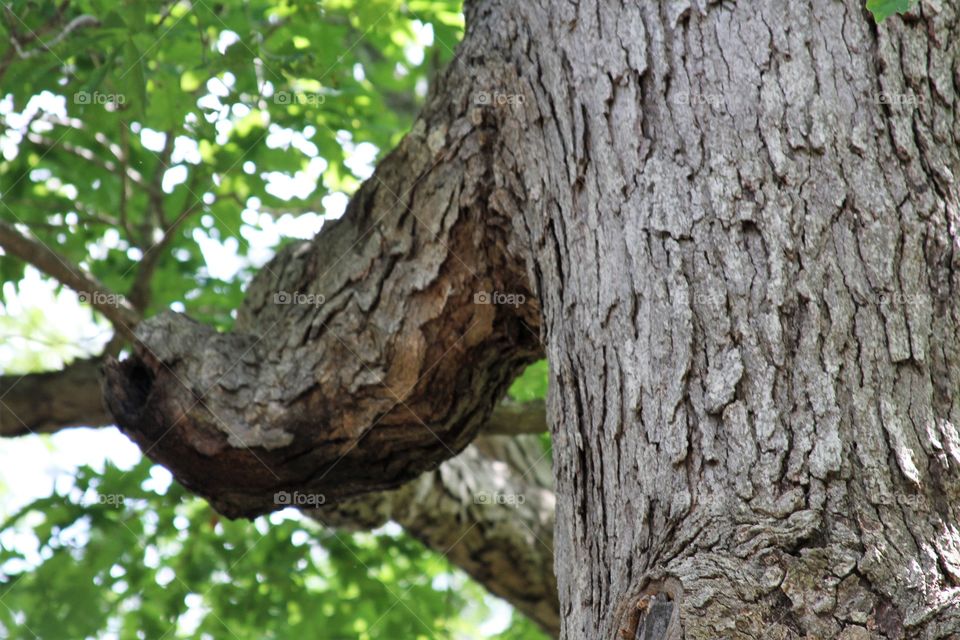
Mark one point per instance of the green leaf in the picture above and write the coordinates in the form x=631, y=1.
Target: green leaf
x=883, y=9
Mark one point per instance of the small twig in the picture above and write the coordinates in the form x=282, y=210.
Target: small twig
x=156, y=194
x=73, y=25
x=166, y=12
x=140, y=291
x=89, y=156
x=124, y=186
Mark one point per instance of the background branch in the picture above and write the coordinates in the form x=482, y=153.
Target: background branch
x=50, y=401
x=112, y=305
x=491, y=516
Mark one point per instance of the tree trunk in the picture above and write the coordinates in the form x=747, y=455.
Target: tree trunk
x=743, y=219
x=738, y=222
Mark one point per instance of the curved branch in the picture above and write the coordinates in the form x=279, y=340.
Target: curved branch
x=467, y=509
x=50, y=401
x=371, y=354
x=492, y=519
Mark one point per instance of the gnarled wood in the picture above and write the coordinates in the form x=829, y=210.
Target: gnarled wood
x=740, y=221
x=365, y=357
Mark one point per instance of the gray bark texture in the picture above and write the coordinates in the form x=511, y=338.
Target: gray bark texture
x=360, y=359
x=735, y=225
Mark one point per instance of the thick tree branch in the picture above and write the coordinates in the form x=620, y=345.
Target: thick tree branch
x=514, y=418
x=47, y=402
x=112, y=305
x=367, y=356
x=489, y=510
x=493, y=519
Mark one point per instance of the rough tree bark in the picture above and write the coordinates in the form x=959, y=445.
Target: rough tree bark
x=739, y=221
x=362, y=358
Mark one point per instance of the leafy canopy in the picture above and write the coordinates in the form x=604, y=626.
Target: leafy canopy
x=119, y=553
x=201, y=120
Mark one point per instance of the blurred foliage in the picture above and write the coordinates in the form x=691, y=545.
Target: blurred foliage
x=124, y=554
x=531, y=384
x=228, y=100
x=153, y=143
